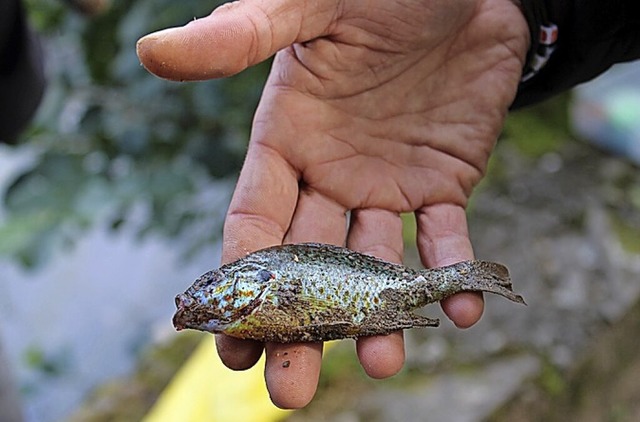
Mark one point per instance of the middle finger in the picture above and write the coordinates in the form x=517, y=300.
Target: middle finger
x=379, y=233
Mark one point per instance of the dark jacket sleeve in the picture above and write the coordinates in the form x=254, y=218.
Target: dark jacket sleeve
x=21, y=71
x=592, y=35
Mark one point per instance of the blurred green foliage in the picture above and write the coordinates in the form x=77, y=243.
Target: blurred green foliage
x=110, y=138
x=541, y=128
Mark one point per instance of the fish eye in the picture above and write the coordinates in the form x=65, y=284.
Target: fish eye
x=265, y=275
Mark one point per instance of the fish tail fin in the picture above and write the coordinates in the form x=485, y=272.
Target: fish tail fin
x=479, y=276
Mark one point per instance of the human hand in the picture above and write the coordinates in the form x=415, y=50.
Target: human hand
x=373, y=107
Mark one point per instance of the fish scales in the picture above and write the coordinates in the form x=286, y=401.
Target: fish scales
x=317, y=292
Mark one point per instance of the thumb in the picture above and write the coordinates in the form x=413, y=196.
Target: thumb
x=233, y=37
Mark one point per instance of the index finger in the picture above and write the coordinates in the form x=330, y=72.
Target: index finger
x=262, y=206
x=259, y=216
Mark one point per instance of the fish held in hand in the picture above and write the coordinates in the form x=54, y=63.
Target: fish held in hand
x=315, y=292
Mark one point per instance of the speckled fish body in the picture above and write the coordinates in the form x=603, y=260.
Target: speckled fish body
x=316, y=292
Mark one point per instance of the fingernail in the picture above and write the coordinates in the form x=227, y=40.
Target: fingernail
x=150, y=40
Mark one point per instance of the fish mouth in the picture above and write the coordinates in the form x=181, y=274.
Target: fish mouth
x=183, y=314
x=190, y=315
x=178, y=323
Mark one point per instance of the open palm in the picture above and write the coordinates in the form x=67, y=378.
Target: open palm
x=372, y=107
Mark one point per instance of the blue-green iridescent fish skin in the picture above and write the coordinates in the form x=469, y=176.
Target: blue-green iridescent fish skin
x=317, y=292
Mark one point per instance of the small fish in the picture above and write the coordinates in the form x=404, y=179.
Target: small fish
x=315, y=292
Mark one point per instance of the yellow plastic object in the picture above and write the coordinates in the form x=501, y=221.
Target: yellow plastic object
x=204, y=390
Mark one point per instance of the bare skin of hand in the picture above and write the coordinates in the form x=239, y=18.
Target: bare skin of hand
x=375, y=107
